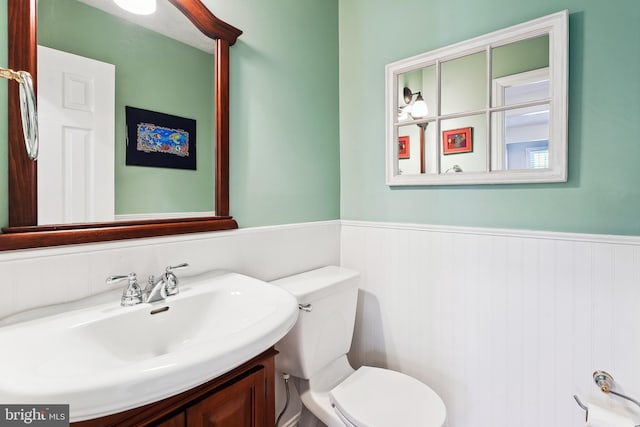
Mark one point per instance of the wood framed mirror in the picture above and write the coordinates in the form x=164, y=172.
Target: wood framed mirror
x=23, y=231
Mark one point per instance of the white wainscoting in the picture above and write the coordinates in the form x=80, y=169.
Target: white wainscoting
x=39, y=277
x=504, y=325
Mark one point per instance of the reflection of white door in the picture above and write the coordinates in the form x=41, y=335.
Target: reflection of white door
x=519, y=124
x=76, y=108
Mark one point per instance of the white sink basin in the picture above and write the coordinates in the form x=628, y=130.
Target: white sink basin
x=106, y=358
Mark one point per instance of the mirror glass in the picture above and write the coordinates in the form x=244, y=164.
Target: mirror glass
x=464, y=84
x=520, y=75
x=496, y=109
x=417, y=107
x=416, y=149
x=87, y=140
x=464, y=144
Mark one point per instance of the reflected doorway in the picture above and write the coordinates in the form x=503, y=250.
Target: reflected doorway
x=521, y=135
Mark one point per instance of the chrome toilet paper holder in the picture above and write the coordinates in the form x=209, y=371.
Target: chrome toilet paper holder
x=605, y=382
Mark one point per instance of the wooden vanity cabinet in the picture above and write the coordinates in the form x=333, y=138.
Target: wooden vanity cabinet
x=178, y=420
x=240, y=404
x=244, y=397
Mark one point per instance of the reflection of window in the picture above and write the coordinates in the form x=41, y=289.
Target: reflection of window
x=527, y=155
x=538, y=159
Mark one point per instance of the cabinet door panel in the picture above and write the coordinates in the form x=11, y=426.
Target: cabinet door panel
x=238, y=405
x=178, y=420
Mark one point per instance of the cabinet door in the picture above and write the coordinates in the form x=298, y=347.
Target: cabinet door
x=177, y=420
x=241, y=404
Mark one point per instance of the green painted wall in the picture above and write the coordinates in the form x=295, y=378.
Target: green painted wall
x=149, y=75
x=284, y=110
x=603, y=191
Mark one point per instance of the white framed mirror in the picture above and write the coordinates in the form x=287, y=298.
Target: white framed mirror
x=489, y=110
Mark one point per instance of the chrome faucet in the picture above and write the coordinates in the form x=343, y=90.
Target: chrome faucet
x=165, y=286
x=156, y=290
x=132, y=294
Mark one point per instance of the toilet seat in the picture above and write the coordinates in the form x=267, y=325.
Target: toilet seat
x=375, y=397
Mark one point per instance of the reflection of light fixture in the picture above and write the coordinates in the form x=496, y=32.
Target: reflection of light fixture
x=454, y=168
x=419, y=109
x=403, y=113
x=139, y=7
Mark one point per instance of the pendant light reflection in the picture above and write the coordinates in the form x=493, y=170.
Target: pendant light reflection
x=419, y=108
x=139, y=7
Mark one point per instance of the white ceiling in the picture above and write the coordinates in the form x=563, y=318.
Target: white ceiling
x=167, y=20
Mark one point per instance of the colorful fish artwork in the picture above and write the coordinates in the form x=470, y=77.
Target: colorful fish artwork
x=158, y=139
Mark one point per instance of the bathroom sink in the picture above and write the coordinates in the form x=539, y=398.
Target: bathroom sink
x=103, y=358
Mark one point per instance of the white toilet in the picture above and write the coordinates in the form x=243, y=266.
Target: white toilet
x=315, y=352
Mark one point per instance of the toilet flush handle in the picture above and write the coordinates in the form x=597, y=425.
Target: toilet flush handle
x=305, y=307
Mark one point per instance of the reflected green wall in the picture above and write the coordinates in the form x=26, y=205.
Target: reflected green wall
x=149, y=75
x=603, y=191
x=518, y=57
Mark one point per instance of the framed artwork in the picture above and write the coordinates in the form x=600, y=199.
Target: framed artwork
x=403, y=147
x=160, y=140
x=457, y=141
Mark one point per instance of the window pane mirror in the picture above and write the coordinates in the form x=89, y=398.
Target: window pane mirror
x=490, y=110
x=24, y=231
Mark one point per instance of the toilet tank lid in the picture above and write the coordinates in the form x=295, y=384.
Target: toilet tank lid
x=315, y=284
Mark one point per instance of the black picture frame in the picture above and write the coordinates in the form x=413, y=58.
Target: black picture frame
x=148, y=133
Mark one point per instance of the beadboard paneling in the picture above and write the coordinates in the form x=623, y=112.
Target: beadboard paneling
x=504, y=325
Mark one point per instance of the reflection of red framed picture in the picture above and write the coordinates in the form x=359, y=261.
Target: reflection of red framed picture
x=403, y=147
x=457, y=141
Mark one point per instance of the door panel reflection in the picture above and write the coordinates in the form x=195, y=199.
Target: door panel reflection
x=520, y=138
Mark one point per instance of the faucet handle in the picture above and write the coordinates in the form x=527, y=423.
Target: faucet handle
x=170, y=269
x=171, y=281
x=132, y=294
x=115, y=279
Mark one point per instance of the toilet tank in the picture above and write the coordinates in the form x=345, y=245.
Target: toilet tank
x=323, y=334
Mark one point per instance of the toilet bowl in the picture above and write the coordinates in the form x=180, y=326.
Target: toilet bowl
x=314, y=352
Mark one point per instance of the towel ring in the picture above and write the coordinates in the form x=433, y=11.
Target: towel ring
x=28, y=109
